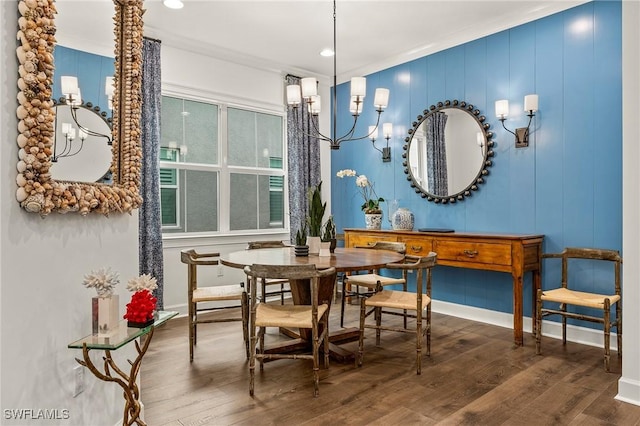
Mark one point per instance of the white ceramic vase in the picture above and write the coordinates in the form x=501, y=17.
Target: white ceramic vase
x=402, y=219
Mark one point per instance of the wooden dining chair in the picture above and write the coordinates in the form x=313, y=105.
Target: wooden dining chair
x=314, y=316
x=403, y=301
x=372, y=280
x=201, y=294
x=272, y=282
x=572, y=292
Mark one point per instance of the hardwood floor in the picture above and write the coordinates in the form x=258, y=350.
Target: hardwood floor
x=475, y=376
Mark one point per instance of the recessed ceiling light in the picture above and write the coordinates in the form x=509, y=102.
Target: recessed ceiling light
x=327, y=52
x=173, y=4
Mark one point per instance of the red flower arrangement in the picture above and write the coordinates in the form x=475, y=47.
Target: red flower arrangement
x=140, y=309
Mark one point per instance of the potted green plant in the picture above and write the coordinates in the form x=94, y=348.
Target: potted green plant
x=316, y=209
x=301, y=248
x=329, y=233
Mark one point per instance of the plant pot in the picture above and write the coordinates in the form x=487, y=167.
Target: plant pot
x=332, y=245
x=301, y=251
x=324, y=248
x=373, y=220
x=314, y=245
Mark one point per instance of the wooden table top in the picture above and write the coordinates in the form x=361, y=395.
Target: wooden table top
x=344, y=259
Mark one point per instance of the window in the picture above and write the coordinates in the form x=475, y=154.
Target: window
x=201, y=193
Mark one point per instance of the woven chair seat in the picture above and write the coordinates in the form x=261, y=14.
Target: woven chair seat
x=211, y=295
x=224, y=292
x=371, y=280
x=572, y=297
x=293, y=316
x=572, y=260
x=396, y=300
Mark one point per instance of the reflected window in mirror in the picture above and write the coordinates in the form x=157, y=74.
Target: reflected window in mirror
x=448, y=152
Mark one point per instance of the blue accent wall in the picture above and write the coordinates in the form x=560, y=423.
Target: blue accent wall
x=566, y=185
x=91, y=70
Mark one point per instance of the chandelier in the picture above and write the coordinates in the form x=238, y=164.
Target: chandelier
x=73, y=98
x=306, y=95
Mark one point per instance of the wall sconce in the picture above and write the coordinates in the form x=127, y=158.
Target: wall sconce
x=387, y=130
x=522, y=133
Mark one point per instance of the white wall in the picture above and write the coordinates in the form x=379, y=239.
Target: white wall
x=43, y=305
x=629, y=383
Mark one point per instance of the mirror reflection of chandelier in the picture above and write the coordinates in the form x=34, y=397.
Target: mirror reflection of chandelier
x=306, y=94
x=71, y=91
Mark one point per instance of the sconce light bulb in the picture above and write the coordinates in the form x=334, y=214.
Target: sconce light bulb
x=502, y=109
x=373, y=133
x=387, y=130
x=531, y=103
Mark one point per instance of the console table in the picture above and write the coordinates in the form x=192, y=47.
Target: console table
x=112, y=373
x=512, y=253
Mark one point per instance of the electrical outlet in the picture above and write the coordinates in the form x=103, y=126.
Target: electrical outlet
x=78, y=374
x=220, y=270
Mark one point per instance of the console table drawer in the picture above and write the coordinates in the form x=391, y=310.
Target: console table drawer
x=417, y=247
x=369, y=240
x=497, y=254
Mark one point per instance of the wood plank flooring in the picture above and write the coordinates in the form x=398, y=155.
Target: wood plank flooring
x=475, y=376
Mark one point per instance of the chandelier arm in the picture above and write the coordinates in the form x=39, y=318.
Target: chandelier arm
x=349, y=135
x=317, y=134
x=86, y=130
x=79, y=149
x=67, y=147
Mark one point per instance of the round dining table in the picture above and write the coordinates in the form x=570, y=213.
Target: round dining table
x=343, y=260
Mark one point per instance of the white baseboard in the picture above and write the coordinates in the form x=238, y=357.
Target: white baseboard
x=582, y=335
x=628, y=391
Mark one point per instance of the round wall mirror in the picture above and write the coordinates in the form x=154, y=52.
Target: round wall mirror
x=82, y=145
x=448, y=151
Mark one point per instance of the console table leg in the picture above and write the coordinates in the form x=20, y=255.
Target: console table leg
x=128, y=382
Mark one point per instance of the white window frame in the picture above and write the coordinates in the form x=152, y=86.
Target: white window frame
x=223, y=169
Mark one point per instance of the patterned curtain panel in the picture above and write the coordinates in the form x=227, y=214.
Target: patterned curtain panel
x=436, y=154
x=304, y=161
x=150, y=227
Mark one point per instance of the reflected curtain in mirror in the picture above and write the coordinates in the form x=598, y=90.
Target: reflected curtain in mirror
x=304, y=162
x=149, y=220
x=436, y=153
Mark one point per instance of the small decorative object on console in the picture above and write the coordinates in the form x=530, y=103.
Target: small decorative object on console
x=141, y=309
x=402, y=219
x=104, y=308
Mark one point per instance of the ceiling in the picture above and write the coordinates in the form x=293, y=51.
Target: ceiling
x=289, y=35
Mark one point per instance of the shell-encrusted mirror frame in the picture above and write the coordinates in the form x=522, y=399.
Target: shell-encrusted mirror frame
x=37, y=192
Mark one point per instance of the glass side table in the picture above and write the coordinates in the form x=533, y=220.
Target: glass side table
x=112, y=373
